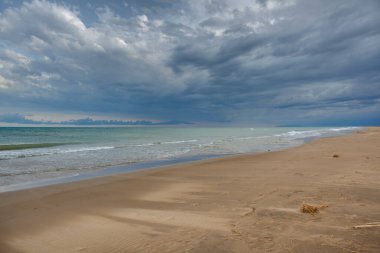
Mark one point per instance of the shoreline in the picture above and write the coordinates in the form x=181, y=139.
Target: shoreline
x=112, y=171
x=147, y=165
x=238, y=203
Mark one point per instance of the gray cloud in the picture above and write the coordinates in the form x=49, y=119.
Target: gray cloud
x=265, y=62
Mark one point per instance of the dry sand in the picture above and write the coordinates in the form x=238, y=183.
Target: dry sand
x=248, y=203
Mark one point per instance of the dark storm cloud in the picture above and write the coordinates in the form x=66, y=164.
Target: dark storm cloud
x=271, y=62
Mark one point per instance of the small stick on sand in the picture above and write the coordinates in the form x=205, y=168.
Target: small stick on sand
x=368, y=225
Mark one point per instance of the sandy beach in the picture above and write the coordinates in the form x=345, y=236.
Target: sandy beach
x=244, y=203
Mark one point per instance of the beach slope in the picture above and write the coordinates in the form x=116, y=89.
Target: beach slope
x=245, y=203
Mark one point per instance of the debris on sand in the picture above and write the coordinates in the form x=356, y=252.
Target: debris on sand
x=251, y=212
x=335, y=156
x=306, y=208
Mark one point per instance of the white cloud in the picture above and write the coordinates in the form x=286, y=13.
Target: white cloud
x=3, y=83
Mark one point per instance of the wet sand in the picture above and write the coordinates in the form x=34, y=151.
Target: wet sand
x=245, y=203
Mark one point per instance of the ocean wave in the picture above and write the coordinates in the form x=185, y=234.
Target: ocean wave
x=9, y=174
x=246, y=138
x=143, y=145
x=29, y=172
x=179, y=142
x=85, y=149
x=22, y=146
x=6, y=155
x=163, y=143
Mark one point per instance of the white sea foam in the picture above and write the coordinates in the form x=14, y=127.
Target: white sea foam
x=206, y=145
x=313, y=133
x=173, y=154
x=300, y=134
x=343, y=129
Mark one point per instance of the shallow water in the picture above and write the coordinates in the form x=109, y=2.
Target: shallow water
x=30, y=154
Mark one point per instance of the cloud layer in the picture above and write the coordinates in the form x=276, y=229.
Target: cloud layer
x=246, y=62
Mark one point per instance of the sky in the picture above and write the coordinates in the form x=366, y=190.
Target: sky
x=204, y=62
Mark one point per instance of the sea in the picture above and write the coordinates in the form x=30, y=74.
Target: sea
x=35, y=156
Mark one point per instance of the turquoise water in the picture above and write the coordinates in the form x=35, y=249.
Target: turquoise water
x=28, y=154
